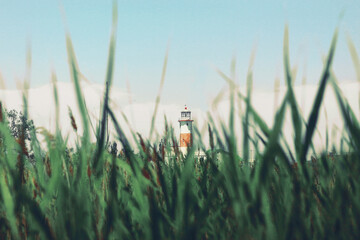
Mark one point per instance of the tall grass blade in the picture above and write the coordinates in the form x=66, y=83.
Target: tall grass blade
x=354, y=56
x=162, y=81
x=74, y=73
x=108, y=82
x=356, y=62
x=313, y=118
x=271, y=149
x=352, y=125
x=246, y=120
x=296, y=117
x=8, y=202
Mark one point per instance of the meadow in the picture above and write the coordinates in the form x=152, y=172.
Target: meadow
x=149, y=190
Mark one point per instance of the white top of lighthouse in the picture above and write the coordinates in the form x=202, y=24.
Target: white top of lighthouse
x=185, y=114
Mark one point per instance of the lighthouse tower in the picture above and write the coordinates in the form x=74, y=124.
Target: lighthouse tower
x=186, y=139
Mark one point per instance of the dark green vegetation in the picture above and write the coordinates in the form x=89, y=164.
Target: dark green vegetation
x=18, y=122
x=93, y=193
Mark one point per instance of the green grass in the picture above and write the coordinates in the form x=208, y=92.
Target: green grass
x=151, y=191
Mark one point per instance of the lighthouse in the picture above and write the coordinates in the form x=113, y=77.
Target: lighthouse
x=186, y=139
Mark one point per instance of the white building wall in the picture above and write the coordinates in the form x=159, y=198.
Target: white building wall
x=185, y=127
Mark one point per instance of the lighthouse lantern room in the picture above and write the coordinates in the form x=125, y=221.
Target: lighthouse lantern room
x=185, y=130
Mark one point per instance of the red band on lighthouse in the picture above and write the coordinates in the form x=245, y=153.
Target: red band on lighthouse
x=185, y=140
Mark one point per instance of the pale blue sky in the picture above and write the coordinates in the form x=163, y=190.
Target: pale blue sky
x=203, y=35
